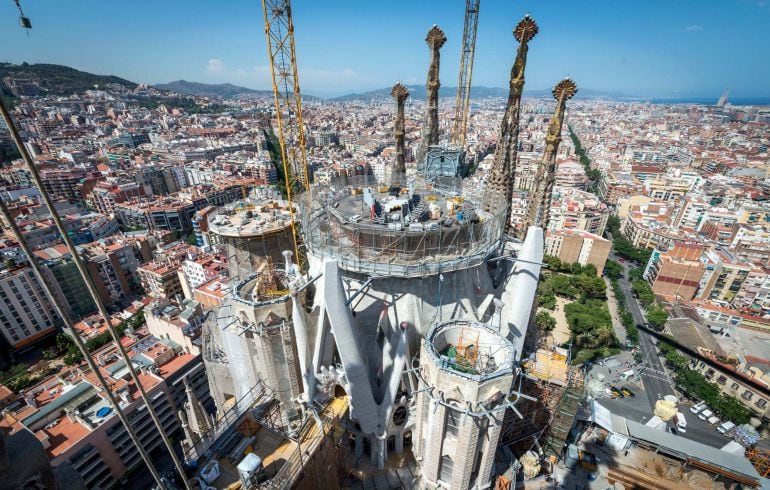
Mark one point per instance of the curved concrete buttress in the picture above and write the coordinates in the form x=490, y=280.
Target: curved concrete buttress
x=363, y=408
x=519, y=294
x=300, y=336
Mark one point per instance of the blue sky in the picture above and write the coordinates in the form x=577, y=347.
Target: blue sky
x=638, y=47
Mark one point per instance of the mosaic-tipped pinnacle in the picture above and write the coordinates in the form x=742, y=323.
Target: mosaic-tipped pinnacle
x=399, y=92
x=565, y=89
x=435, y=38
x=525, y=30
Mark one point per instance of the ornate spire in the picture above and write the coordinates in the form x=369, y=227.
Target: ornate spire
x=538, y=211
x=400, y=93
x=500, y=179
x=435, y=40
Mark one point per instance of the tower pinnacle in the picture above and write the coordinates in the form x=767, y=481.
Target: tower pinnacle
x=538, y=211
x=500, y=179
x=435, y=40
x=400, y=93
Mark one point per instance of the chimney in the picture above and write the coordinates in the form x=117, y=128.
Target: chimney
x=400, y=93
x=435, y=40
x=500, y=179
x=538, y=209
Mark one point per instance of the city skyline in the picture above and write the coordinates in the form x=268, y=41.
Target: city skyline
x=651, y=49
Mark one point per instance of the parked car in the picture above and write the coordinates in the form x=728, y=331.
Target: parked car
x=698, y=407
x=725, y=427
x=615, y=391
x=706, y=414
x=627, y=392
x=714, y=420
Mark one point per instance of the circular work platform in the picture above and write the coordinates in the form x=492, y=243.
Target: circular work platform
x=406, y=227
x=470, y=349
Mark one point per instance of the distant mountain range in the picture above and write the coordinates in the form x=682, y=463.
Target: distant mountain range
x=224, y=90
x=59, y=79
x=64, y=80
x=417, y=92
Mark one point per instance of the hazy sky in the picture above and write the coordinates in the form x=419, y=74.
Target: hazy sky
x=638, y=47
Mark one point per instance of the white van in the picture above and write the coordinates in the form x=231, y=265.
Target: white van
x=705, y=414
x=725, y=427
x=681, y=422
x=698, y=407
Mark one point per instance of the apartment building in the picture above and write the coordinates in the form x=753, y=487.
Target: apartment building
x=77, y=425
x=727, y=275
x=211, y=294
x=575, y=209
x=160, y=278
x=578, y=246
x=161, y=214
x=180, y=324
x=678, y=271
x=105, y=195
x=26, y=313
x=198, y=269
x=731, y=381
x=63, y=184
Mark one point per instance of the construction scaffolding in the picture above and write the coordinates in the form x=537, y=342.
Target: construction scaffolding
x=564, y=417
x=545, y=420
x=318, y=450
x=407, y=227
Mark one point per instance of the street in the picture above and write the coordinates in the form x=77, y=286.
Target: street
x=652, y=379
x=657, y=384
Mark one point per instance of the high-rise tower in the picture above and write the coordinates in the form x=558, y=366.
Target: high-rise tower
x=435, y=40
x=500, y=180
x=540, y=203
x=400, y=93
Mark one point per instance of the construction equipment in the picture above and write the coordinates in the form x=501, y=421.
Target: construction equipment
x=23, y=20
x=467, y=51
x=760, y=458
x=279, y=30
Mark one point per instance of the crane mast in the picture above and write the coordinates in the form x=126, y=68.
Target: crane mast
x=466, y=71
x=279, y=29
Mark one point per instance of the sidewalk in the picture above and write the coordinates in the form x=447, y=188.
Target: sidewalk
x=612, y=305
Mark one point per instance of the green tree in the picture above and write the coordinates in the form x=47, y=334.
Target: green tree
x=545, y=321
x=657, y=316
x=643, y=291
x=676, y=360
x=613, y=270
x=604, y=336
x=547, y=301
x=50, y=354
x=590, y=286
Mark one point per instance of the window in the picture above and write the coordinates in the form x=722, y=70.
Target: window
x=445, y=469
x=747, y=395
x=734, y=386
x=453, y=418
x=722, y=380
x=761, y=403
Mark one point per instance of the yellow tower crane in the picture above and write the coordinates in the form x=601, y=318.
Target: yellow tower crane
x=279, y=29
x=466, y=71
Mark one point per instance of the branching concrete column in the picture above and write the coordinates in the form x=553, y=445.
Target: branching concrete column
x=379, y=449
